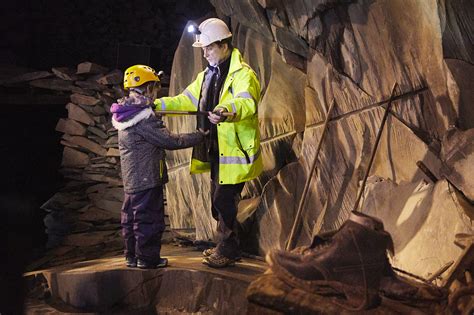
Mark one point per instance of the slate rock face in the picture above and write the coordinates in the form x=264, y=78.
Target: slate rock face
x=308, y=54
x=359, y=55
x=108, y=286
x=430, y=216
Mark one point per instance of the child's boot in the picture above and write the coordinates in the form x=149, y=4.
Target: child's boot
x=145, y=264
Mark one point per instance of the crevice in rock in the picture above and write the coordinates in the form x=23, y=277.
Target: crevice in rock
x=371, y=106
x=458, y=59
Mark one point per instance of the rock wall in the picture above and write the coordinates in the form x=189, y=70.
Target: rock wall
x=309, y=54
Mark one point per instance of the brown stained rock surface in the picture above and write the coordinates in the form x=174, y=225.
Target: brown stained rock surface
x=65, y=73
x=307, y=55
x=96, y=110
x=77, y=113
x=356, y=51
x=75, y=158
x=90, y=68
x=356, y=55
x=86, y=144
x=430, y=216
x=457, y=151
x=80, y=99
x=113, y=152
x=186, y=285
x=97, y=132
x=114, y=77
x=71, y=127
x=269, y=294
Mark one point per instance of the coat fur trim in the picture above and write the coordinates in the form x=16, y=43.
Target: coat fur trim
x=147, y=112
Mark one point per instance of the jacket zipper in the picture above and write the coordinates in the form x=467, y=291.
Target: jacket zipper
x=239, y=144
x=161, y=168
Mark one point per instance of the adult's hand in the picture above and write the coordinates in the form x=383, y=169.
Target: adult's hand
x=216, y=116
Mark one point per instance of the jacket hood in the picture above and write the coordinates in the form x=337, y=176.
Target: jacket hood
x=143, y=114
x=128, y=111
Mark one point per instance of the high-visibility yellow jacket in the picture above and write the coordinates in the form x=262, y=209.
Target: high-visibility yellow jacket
x=240, y=158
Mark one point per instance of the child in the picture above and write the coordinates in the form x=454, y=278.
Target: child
x=142, y=139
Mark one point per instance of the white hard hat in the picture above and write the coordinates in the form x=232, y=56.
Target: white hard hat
x=211, y=30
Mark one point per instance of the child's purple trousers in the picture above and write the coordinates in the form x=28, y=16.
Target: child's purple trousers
x=143, y=223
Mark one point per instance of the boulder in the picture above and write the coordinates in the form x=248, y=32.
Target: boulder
x=71, y=127
x=80, y=115
x=86, y=144
x=65, y=73
x=90, y=68
x=74, y=158
x=80, y=99
x=114, y=77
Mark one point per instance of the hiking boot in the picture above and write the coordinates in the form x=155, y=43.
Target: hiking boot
x=131, y=261
x=396, y=287
x=391, y=284
x=319, y=242
x=351, y=262
x=218, y=261
x=208, y=252
x=144, y=264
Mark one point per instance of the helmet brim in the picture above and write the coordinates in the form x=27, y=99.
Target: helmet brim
x=198, y=44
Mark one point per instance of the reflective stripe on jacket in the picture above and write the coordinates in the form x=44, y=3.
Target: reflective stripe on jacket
x=240, y=158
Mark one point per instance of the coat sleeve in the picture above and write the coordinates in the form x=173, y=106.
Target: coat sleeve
x=188, y=100
x=163, y=138
x=245, y=96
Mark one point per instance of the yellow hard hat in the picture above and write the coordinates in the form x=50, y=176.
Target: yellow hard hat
x=138, y=75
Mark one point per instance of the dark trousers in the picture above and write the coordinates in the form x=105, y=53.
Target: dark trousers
x=143, y=223
x=224, y=200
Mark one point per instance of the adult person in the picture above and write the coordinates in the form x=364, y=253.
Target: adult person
x=231, y=151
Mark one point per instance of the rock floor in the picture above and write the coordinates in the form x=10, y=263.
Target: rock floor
x=107, y=286
x=104, y=286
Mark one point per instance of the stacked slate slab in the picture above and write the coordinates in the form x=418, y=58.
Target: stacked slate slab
x=83, y=218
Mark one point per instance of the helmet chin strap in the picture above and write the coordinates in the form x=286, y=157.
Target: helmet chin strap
x=138, y=90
